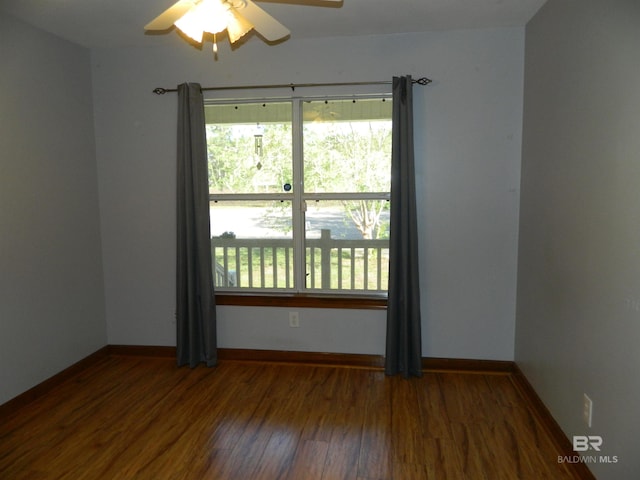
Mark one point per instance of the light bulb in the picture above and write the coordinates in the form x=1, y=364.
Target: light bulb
x=208, y=16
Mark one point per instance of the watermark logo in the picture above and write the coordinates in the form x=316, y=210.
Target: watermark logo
x=583, y=443
x=588, y=443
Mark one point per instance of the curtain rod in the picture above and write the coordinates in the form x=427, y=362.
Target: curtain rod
x=293, y=86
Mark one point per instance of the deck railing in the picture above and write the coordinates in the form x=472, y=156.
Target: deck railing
x=331, y=264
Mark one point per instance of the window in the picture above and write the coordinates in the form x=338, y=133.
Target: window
x=300, y=194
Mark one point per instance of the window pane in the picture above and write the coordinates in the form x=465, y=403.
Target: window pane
x=249, y=147
x=252, y=244
x=347, y=245
x=343, y=150
x=347, y=145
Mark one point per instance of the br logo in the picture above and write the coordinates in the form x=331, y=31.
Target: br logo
x=582, y=443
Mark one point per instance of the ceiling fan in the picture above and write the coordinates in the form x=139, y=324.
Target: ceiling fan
x=194, y=18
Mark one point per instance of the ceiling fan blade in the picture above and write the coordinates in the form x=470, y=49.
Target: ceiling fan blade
x=167, y=18
x=264, y=24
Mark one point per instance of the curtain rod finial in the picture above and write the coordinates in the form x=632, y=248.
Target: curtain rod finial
x=159, y=91
x=423, y=81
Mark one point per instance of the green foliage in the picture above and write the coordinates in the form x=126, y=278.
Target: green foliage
x=339, y=156
x=236, y=167
x=347, y=157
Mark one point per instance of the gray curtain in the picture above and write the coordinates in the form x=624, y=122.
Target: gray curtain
x=195, y=298
x=404, y=343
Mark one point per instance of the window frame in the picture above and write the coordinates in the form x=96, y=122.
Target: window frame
x=300, y=295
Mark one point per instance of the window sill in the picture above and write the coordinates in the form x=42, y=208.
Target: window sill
x=360, y=302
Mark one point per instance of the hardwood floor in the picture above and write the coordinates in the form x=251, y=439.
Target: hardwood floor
x=143, y=418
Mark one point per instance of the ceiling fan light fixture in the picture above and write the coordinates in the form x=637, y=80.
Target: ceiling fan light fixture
x=191, y=27
x=237, y=27
x=194, y=18
x=212, y=16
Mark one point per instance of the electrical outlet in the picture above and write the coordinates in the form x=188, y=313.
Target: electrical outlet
x=294, y=319
x=587, y=410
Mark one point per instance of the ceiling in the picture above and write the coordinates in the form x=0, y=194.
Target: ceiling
x=119, y=23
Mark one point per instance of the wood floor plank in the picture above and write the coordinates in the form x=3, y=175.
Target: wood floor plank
x=319, y=407
x=409, y=471
x=280, y=415
x=341, y=461
x=344, y=444
x=467, y=397
x=442, y=460
x=434, y=416
x=477, y=458
x=145, y=419
x=406, y=430
x=277, y=456
x=309, y=460
x=375, y=448
x=350, y=391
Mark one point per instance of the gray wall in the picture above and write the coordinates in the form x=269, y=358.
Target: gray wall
x=468, y=135
x=578, y=314
x=51, y=286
